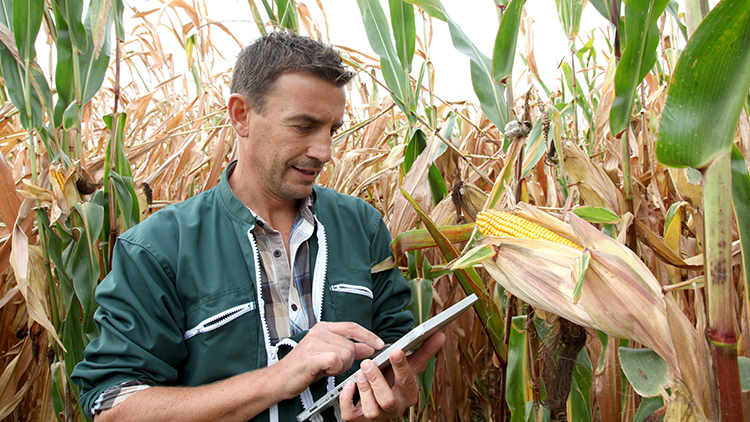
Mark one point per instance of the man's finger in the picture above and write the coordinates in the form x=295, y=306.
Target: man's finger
x=404, y=374
x=367, y=401
x=346, y=401
x=356, y=332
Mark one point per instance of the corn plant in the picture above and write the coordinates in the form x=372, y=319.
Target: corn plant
x=430, y=167
x=694, y=134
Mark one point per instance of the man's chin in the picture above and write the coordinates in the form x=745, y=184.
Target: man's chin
x=298, y=192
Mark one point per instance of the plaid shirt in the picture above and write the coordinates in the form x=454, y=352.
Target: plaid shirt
x=287, y=291
x=287, y=288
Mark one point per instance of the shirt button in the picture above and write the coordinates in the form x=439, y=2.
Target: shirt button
x=294, y=307
x=277, y=253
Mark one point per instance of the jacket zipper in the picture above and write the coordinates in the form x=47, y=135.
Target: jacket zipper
x=319, y=278
x=352, y=288
x=271, y=355
x=321, y=267
x=259, y=292
x=218, y=320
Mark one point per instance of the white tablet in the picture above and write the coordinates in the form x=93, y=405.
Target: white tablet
x=407, y=343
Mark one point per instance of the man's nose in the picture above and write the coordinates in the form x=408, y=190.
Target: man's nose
x=320, y=148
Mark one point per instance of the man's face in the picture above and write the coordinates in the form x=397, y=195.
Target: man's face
x=290, y=141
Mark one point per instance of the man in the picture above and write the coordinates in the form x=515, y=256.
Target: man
x=246, y=301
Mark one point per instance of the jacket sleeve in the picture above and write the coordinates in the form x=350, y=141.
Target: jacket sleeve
x=390, y=290
x=140, y=321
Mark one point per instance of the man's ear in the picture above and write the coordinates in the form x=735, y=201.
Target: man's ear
x=239, y=110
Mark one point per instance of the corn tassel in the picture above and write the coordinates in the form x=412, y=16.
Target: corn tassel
x=498, y=223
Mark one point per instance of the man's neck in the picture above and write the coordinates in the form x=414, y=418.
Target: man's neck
x=278, y=212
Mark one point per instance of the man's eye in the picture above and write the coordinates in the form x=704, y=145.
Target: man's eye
x=334, y=131
x=304, y=129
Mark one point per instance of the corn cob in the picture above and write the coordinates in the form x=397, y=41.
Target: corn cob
x=57, y=174
x=499, y=223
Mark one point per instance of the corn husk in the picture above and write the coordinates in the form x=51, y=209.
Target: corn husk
x=619, y=294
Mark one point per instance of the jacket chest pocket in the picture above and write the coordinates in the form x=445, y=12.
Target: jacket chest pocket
x=351, y=295
x=223, y=337
x=352, y=289
x=218, y=320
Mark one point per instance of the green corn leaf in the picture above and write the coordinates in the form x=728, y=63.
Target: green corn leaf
x=569, y=13
x=638, y=57
x=741, y=202
x=433, y=8
x=404, y=31
x=27, y=19
x=98, y=22
x=504, y=53
x=490, y=94
x=645, y=369
x=570, y=78
x=94, y=63
x=597, y=215
x=73, y=339
x=29, y=100
x=516, y=379
x=426, y=378
x=438, y=188
x=580, y=389
x=674, y=10
x=119, y=26
x=648, y=406
x=473, y=257
x=84, y=261
x=416, y=145
x=70, y=116
x=379, y=35
x=421, y=299
x=91, y=67
x=117, y=127
x=287, y=14
x=534, y=149
x=69, y=13
x=269, y=11
x=709, y=89
x=14, y=80
x=127, y=200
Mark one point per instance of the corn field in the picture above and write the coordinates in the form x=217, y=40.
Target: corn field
x=635, y=155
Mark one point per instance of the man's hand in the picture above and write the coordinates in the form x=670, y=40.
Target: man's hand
x=328, y=349
x=380, y=399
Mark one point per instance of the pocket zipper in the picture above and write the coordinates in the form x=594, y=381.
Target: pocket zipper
x=352, y=288
x=218, y=320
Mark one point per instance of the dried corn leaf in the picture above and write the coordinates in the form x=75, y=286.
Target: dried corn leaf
x=595, y=186
x=19, y=259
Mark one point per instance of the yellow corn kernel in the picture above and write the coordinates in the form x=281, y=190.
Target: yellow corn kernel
x=57, y=174
x=499, y=223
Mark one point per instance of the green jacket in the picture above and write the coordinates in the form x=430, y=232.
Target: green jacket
x=182, y=304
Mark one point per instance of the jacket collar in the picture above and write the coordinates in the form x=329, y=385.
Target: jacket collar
x=237, y=208
x=233, y=204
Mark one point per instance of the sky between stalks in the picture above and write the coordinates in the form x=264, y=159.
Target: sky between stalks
x=477, y=18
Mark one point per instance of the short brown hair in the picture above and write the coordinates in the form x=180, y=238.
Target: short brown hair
x=262, y=62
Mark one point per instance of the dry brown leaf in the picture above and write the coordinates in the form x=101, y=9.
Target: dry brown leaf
x=595, y=186
x=19, y=259
x=9, y=199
